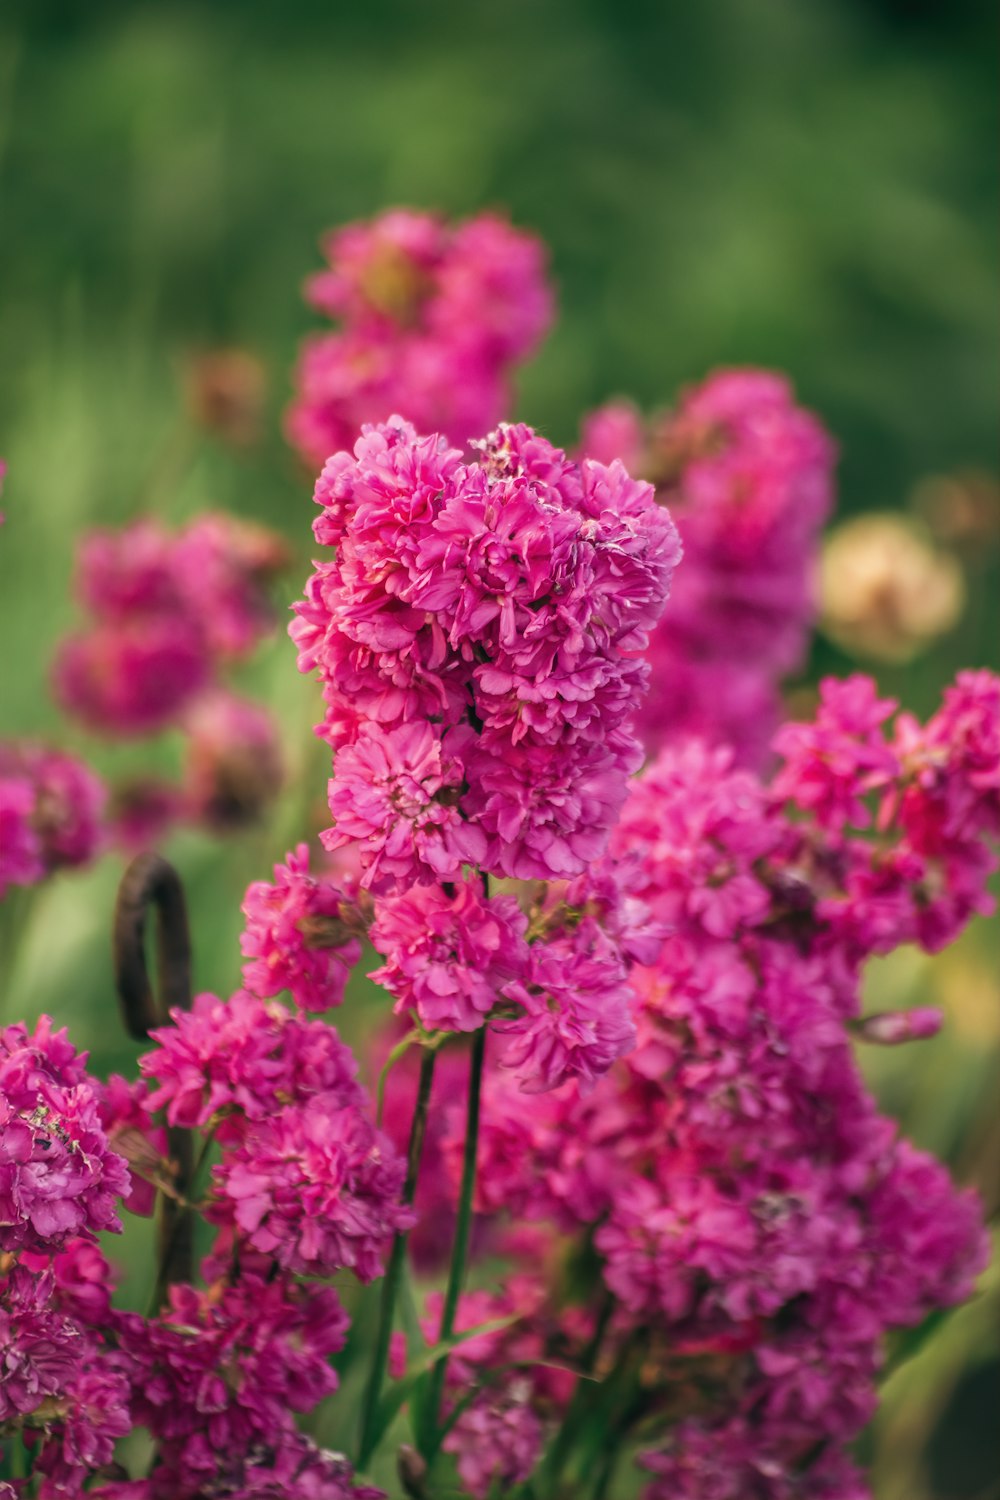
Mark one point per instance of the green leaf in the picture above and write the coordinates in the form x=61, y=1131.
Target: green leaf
x=400, y=1391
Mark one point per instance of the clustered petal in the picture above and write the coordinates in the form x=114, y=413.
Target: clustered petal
x=299, y=936
x=748, y=478
x=51, y=813
x=477, y=637
x=433, y=319
x=58, y=1174
x=759, y=1223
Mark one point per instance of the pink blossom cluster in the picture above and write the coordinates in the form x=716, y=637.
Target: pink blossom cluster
x=477, y=637
x=515, y=1380
x=305, y=1187
x=168, y=612
x=762, y=1230
x=305, y=1179
x=224, y=1370
x=301, y=935
x=748, y=478
x=449, y=956
x=51, y=811
x=433, y=318
x=59, y=1177
x=63, y=1386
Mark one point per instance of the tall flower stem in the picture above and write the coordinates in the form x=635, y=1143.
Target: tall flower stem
x=460, y=1247
x=397, y=1259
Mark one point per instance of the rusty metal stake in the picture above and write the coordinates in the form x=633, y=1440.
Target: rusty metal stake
x=151, y=881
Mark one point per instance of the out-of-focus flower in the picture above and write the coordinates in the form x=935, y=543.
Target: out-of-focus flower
x=887, y=592
x=224, y=391
x=893, y=1026
x=51, y=812
x=748, y=476
x=961, y=510
x=143, y=809
x=433, y=318
x=168, y=611
x=233, y=770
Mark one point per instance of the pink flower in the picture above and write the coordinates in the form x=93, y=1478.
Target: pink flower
x=398, y=793
x=166, y=611
x=221, y=1371
x=131, y=677
x=296, y=937
x=51, y=812
x=496, y=1441
x=59, y=1177
x=433, y=319
x=576, y=1011
x=20, y=847
x=233, y=770
x=317, y=1188
x=478, y=639
x=748, y=477
x=832, y=764
x=448, y=956
x=39, y=1347
x=242, y=1059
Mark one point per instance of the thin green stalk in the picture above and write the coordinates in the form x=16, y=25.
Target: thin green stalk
x=394, y=1274
x=460, y=1247
x=559, y=1452
x=176, y=1224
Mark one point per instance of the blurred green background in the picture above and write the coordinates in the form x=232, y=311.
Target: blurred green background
x=804, y=185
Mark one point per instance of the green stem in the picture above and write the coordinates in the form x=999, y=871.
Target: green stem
x=460, y=1247
x=559, y=1452
x=394, y=1274
x=176, y=1225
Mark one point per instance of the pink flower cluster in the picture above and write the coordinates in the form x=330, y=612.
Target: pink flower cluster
x=433, y=319
x=63, y=1383
x=168, y=612
x=511, y=1372
x=223, y=1371
x=449, y=957
x=477, y=636
x=305, y=1179
x=51, y=808
x=301, y=935
x=748, y=478
x=218, y=1376
x=762, y=1230
x=59, y=1177
x=60, y=1182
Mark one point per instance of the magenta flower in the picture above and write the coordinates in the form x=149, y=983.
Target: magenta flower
x=477, y=637
x=233, y=771
x=222, y=1371
x=131, y=677
x=40, y=1348
x=576, y=1011
x=166, y=611
x=748, y=478
x=51, y=812
x=316, y=1188
x=243, y=1059
x=448, y=956
x=58, y=1174
x=398, y=794
x=296, y=936
x=433, y=319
